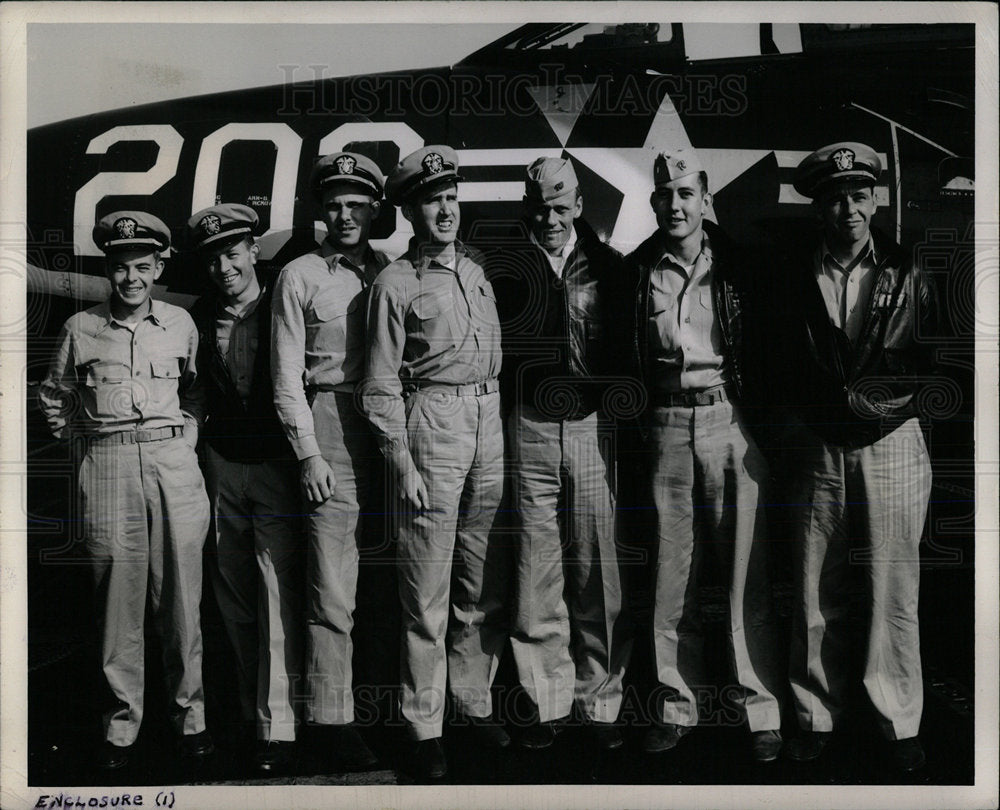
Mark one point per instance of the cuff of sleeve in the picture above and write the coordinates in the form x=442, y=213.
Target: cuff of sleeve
x=400, y=459
x=305, y=446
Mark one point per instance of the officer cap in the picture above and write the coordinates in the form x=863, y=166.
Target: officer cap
x=128, y=230
x=347, y=167
x=214, y=226
x=671, y=164
x=418, y=170
x=549, y=178
x=838, y=161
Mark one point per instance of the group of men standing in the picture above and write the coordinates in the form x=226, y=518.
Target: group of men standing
x=350, y=370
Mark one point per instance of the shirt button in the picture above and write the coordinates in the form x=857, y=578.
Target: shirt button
x=687, y=320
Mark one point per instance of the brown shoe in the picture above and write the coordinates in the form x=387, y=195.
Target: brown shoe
x=429, y=760
x=197, y=746
x=807, y=746
x=350, y=749
x=765, y=745
x=607, y=736
x=111, y=757
x=664, y=736
x=907, y=755
x=540, y=735
x=274, y=757
x=489, y=732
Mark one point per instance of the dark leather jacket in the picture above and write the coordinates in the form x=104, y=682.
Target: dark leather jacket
x=853, y=394
x=736, y=286
x=562, y=338
x=249, y=433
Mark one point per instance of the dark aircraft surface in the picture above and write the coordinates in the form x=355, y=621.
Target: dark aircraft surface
x=606, y=96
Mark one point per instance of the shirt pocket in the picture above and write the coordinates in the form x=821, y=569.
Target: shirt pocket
x=164, y=380
x=328, y=325
x=485, y=317
x=111, y=387
x=433, y=315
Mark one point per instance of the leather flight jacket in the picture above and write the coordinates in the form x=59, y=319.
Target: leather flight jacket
x=251, y=432
x=852, y=394
x=562, y=336
x=735, y=288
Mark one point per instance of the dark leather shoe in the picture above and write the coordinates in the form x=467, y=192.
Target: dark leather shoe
x=489, y=732
x=350, y=749
x=540, y=735
x=663, y=737
x=807, y=746
x=607, y=736
x=429, y=761
x=274, y=756
x=765, y=745
x=907, y=755
x=111, y=757
x=197, y=746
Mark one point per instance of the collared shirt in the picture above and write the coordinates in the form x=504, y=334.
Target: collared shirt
x=236, y=333
x=430, y=324
x=317, y=333
x=108, y=376
x=557, y=263
x=685, y=338
x=846, y=290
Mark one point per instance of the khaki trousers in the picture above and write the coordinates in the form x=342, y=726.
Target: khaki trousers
x=570, y=634
x=859, y=511
x=333, y=532
x=452, y=577
x=708, y=482
x=146, y=516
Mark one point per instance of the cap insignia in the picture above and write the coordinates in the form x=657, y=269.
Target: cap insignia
x=559, y=186
x=211, y=224
x=843, y=159
x=346, y=164
x=125, y=227
x=433, y=163
x=681, y=165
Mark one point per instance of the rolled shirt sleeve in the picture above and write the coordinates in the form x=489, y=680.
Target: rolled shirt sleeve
x=382, y=390
x=288, y=351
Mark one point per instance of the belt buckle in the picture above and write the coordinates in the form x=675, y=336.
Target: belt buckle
x=143, y=435
x=481, y=388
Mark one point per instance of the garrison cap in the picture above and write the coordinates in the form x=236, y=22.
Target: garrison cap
x=671, y=164
x=220, y=224
x=418, y=170
x=549, y=178
x=128, y=230
x=838, y=161
x=347, y=167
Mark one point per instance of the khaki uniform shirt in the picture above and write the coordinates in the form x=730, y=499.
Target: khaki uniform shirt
x=236, y=337
x=427, y=323
x=317, y=334
x=685, y=339
x=846, y=291
x=109, y=377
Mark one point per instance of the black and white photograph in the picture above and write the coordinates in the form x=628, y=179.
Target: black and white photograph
x=499, y=405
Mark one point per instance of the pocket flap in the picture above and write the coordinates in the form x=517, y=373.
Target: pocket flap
x=167, y=368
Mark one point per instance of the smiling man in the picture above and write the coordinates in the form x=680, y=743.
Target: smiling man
x=432, y=395
x=251, y=475
x=123, y=387
x=697, y=354
x=318, y=343
x=555, y=282
x=857, y=319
